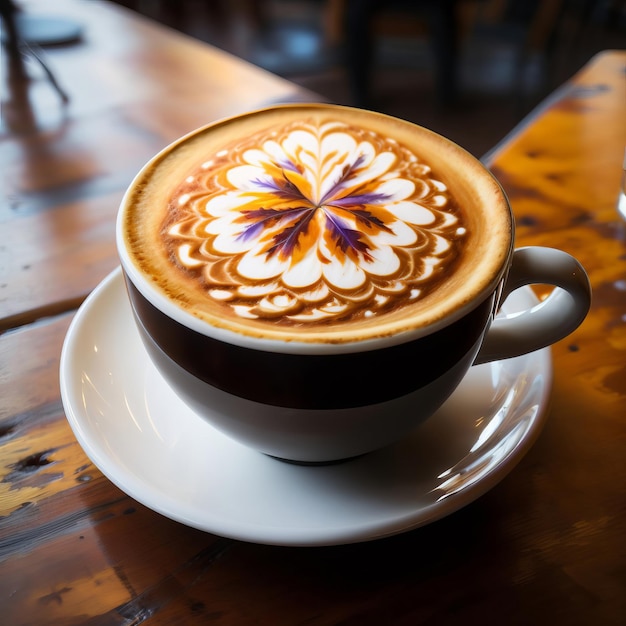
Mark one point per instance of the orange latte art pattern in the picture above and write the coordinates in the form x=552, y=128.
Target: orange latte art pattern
x=314, y=222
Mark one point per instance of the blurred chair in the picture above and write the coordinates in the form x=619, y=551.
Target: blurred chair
x=442, y=24
x=529, y=30
x=528, y=27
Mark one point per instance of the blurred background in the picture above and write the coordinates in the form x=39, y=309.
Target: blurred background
x=468, y=69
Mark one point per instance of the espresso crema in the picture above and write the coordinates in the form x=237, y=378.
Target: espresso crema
x=312, y=220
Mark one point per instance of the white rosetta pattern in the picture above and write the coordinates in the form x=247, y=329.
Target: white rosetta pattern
x=313, y=222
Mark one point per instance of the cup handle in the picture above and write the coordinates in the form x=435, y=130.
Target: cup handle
x=547, y=322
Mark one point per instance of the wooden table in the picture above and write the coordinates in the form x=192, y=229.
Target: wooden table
x=544, y=546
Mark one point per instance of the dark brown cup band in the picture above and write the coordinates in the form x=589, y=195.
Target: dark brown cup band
x=312, y=381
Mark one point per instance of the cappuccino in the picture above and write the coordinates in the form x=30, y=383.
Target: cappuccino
x=314, y=223
x=316, y=280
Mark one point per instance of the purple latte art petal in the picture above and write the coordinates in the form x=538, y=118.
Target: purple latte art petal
x=360, y=199
x=268, y=184
x=340, y=183
x=259, y=220
x=250, y=231
x=346, y=238
x=262, y=219
x=287, y=240
x=289, y=165
x=370, y=220
x=283, y=189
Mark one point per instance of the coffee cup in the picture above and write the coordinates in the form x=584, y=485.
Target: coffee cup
x=316, y=280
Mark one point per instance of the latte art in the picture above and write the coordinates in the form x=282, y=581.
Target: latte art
x=314, y=221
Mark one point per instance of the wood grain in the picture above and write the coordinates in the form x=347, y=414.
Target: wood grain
x=544, y=546
x=65, y=169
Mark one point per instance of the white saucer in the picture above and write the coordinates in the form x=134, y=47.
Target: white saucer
x=154, y=448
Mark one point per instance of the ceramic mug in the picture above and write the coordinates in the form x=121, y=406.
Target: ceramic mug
x=316, y=280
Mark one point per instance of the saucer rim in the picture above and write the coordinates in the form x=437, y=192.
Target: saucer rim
x=151, y=497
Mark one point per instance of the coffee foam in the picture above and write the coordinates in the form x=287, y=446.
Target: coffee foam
x=326, y=221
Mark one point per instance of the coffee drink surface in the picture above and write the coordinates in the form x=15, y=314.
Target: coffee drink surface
x=316, y=223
